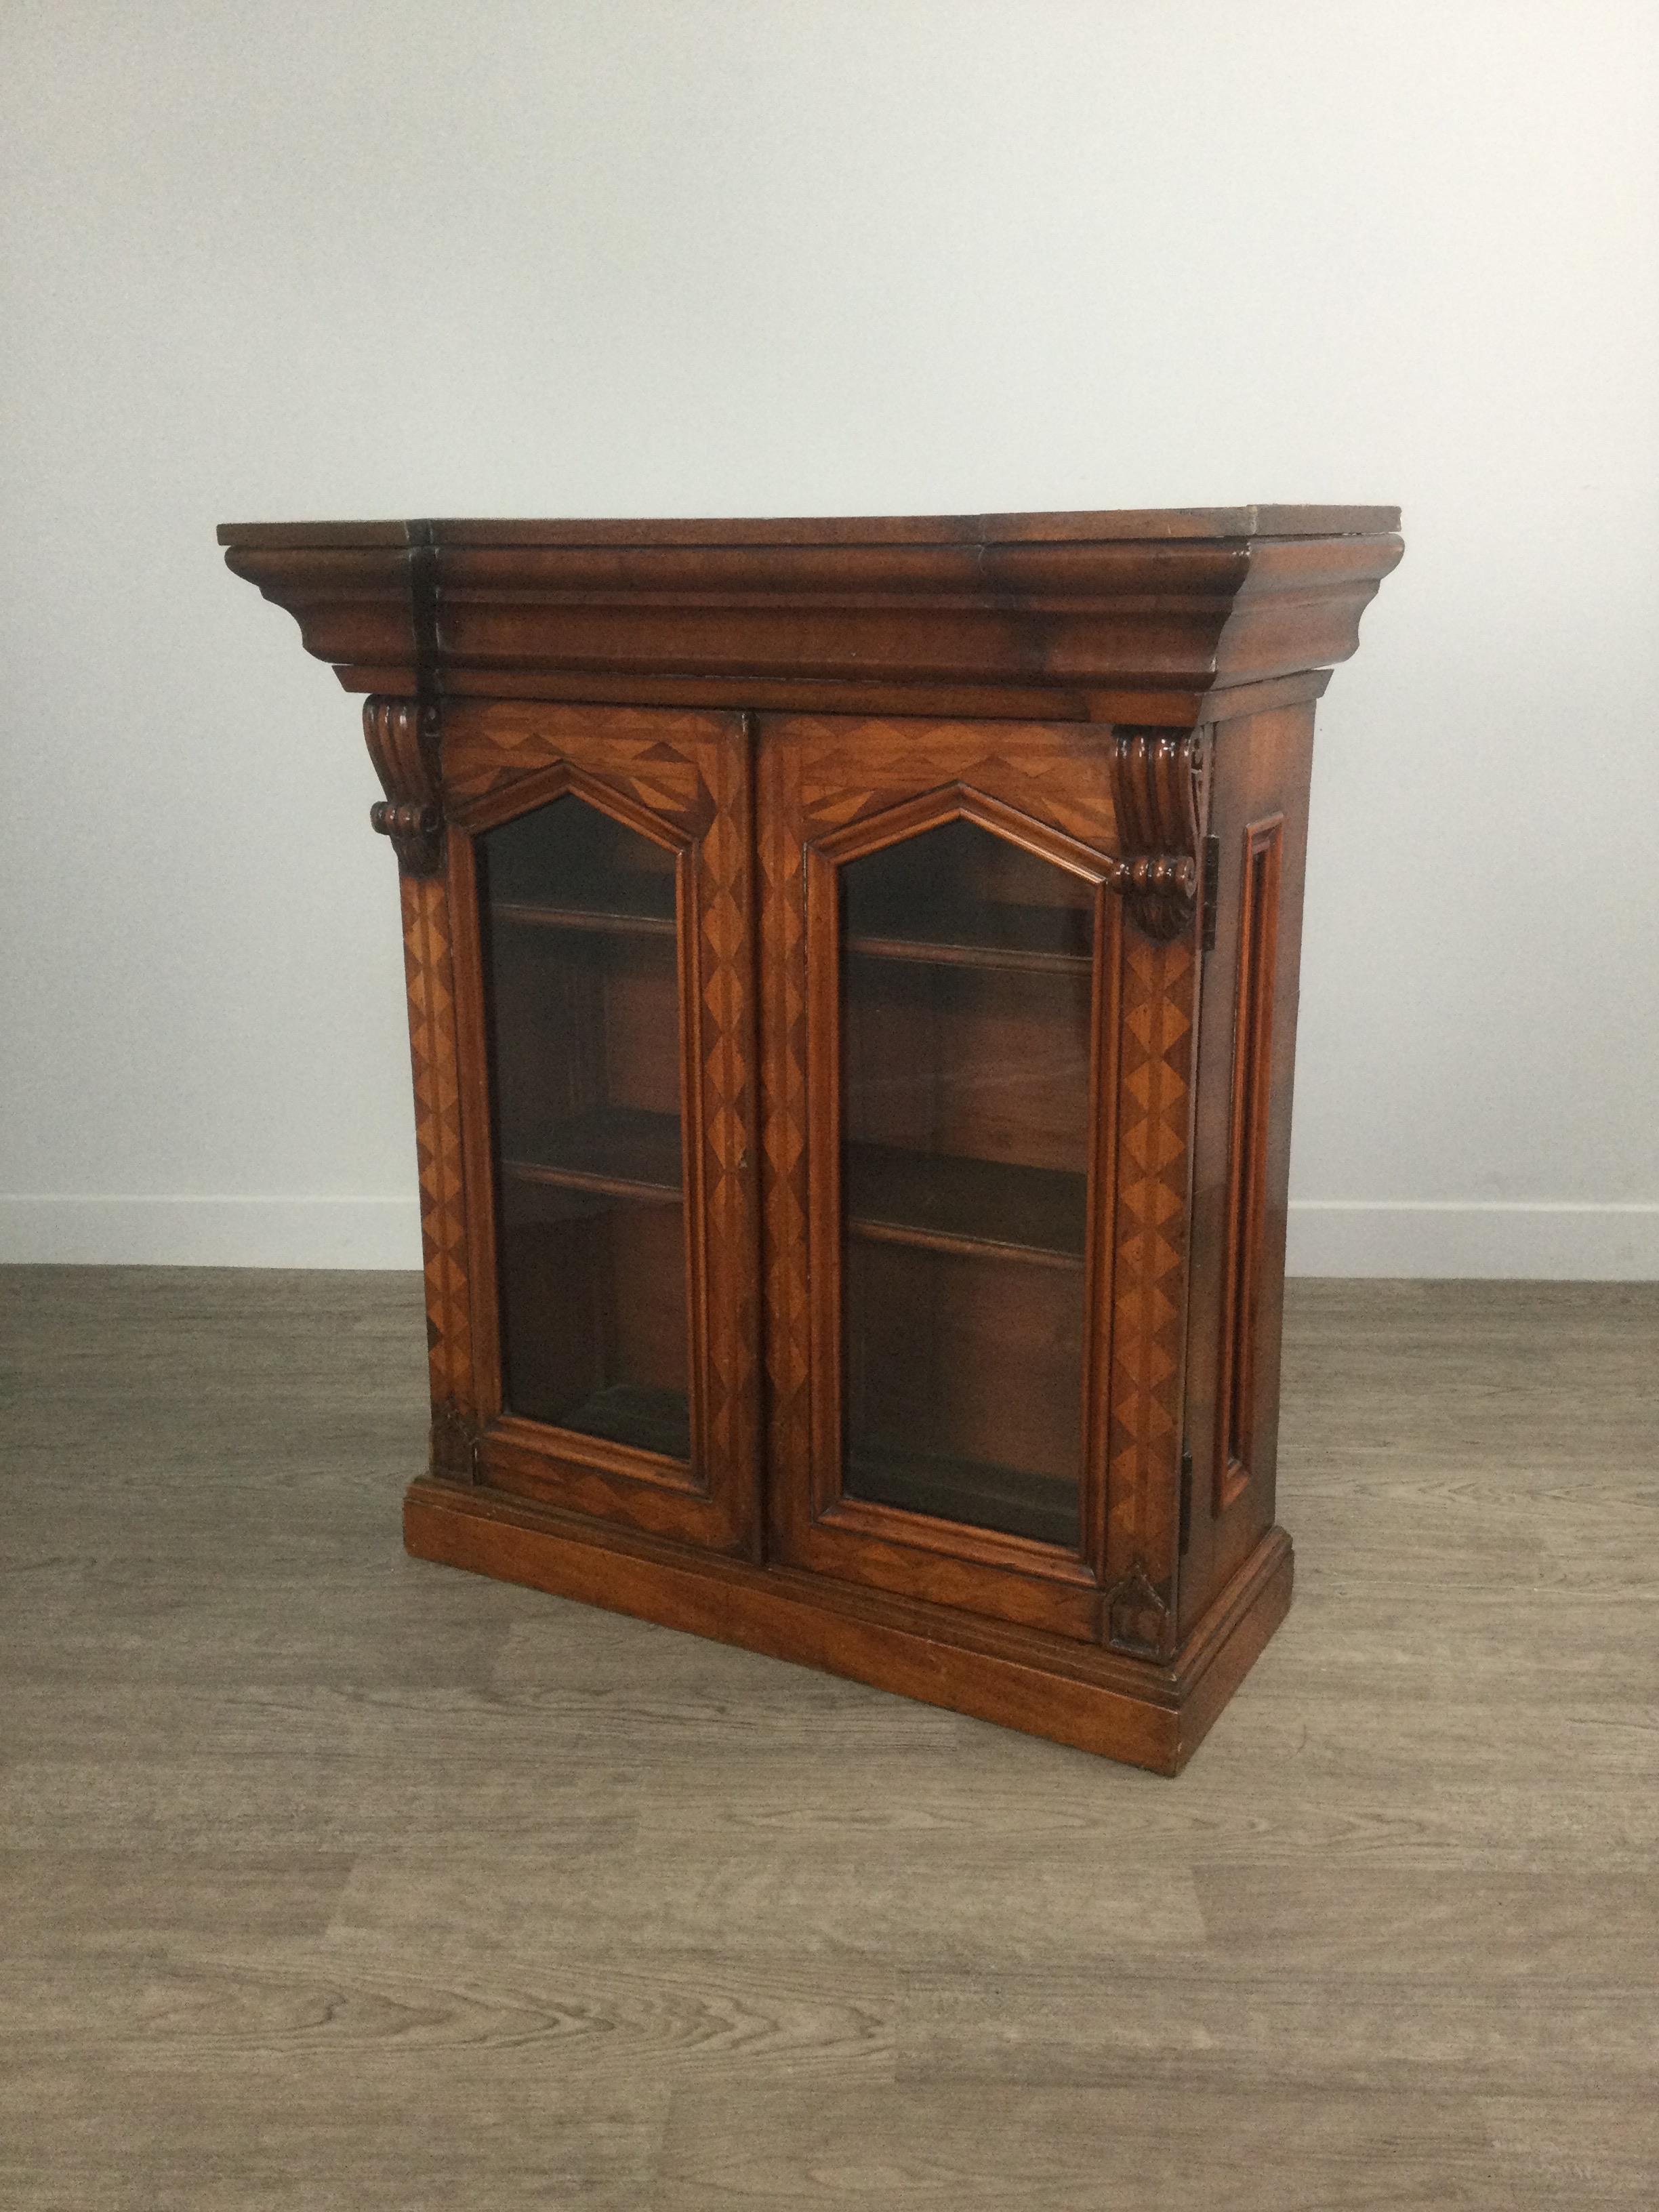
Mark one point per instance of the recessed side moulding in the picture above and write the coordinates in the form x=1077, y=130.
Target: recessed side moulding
x=932, y=888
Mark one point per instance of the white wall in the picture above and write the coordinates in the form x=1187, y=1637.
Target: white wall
x=671, y=257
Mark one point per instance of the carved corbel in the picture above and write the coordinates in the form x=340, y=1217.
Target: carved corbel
x=1158, y=793
x=402, y=736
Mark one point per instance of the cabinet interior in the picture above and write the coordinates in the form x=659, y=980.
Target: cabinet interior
x=583, y=1014
x=966, y=1111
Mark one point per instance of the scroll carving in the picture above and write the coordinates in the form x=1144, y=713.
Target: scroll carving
x=1158, y=788
x=402, y=736
x=1137, y=1618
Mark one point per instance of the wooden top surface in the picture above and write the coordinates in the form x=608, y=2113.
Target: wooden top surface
x=1126, y=616
x=1104, y=525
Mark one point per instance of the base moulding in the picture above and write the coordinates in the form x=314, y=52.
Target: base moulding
x=1149, y=1714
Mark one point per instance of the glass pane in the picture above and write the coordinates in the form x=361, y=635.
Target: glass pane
x=582, y=976
x=965, y=1048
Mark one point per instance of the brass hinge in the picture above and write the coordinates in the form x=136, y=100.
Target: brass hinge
x=1186, y=1497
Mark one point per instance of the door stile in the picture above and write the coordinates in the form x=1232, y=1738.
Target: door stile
x=402, y=735
x=783, y=1045
x=1148, y=1320
x=820, y=886
x=449, y=1269
x=1100, y=1253
x=688, y=907
x=477, y=1144
x=721, y=1073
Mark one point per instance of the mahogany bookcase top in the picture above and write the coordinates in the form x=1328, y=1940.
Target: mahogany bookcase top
x=1114, y=524
x=1130, y=616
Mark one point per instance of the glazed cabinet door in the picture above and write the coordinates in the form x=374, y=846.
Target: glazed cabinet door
x=976, y=1141
x=599, y=872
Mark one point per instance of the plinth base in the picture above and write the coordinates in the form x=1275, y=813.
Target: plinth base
x=1141, y=1711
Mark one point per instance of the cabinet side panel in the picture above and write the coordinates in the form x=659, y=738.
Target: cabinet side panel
x=1247, y=1162
x=1247, y=1060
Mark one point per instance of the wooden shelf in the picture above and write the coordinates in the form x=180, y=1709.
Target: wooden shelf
x=625, y=1413
x=617, y=922
x=976, y=1492
x=978, y=1208
x=622, y=1152
x=1032, y=940
x=935, y=950
x=926, y=952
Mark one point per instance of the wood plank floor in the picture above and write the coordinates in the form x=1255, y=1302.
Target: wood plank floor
x=330, y=1880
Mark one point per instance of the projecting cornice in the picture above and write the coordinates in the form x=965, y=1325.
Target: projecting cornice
x=1136, y=617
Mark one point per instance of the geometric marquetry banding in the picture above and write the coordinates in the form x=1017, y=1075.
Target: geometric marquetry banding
x=1149, y=1274
x=784, y=1122
x=654, y=756
x=1144, y=798
x=852, y=769
x=1160, y=790
x=726, y=1047
x=435, y=1055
